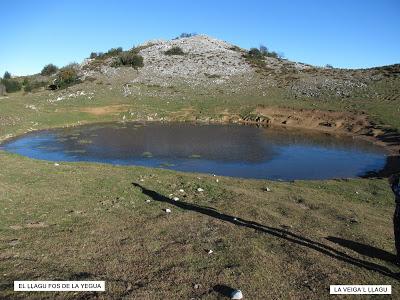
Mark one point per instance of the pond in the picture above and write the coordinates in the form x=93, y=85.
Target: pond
x=229, y=150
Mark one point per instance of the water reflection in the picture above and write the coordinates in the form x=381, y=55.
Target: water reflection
x=231, y=150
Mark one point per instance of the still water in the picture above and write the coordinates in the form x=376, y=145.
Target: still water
x=230, y=150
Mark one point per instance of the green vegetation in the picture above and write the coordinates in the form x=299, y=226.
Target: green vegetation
x=186, y=35
x=7, y=75
x=30, y=86
x=49, y=69
x=93, y=55
x=174, y=51
x=129, y=58
x=27, y=87
x=256, y=56
x=67, y=76
x=114, y=51
x=11, y=85
x=110, y=53
x=48, y=212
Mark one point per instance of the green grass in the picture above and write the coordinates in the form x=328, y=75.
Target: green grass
x=86, y=220
x=90, y=220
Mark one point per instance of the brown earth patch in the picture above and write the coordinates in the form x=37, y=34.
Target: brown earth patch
x=350, y=123
x=184, y=114
x=105, y=110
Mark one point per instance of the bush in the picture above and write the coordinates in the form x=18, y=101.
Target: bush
x=93, y=55
x=28, y=88
x=328, y=66
x=128, y=59
x=255, y=53
x=272, y=54
x=263, y=51
x=175, y=51
x=7, y=75
x=11, y=85
x=34, y=85
x=67, y=76
x=49, y=70
x=114, y=51
x=187, y=35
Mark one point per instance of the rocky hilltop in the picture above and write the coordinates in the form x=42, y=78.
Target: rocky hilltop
x=210, y=62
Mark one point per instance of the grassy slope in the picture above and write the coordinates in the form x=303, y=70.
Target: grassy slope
x=98, y=226
x=90, y=222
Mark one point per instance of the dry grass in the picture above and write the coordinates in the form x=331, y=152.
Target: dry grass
x=92, y=223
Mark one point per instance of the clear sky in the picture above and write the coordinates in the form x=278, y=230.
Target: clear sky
x=343, y=33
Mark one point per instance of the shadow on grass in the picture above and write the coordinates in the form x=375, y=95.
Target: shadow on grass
x=364, y=249
x=224, y=290
x=277, y=232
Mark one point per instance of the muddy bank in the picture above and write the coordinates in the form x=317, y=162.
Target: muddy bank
x=349, y=123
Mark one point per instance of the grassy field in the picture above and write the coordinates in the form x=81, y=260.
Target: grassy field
x=88, y=221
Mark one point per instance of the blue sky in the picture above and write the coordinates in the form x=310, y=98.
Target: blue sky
x=348, y=34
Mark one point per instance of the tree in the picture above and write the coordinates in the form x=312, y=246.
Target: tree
x=11, y=85
x=187, y=35
x=263, y=50
x=254, y=52
x=7, y=75
x=49, y=70
x=67, y=76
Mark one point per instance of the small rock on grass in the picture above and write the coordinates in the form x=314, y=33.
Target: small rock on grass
x=167, y=210
x=56, y=164
x=237, y=295
x=200, y=190
x=267, y=189
x=175, y=199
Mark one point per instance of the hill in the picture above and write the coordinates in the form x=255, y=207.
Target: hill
x=210, y=80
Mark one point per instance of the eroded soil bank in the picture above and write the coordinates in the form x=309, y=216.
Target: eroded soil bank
x=350, y=123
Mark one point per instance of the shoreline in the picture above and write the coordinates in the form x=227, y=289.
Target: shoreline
x=309, y=120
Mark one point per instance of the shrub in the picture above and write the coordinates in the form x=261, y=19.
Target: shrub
x=263, y=50
x=93, y=55
x=28, y=88
x=11, y=85
x=128, y=59
x=328, y=66
x=272, y=54
x=114, y=51
x=67, y=76
x=34, y=85
x=49, y=70
x=7, y=75
x=187, y=35
x=175, y=51
x=255, y=53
